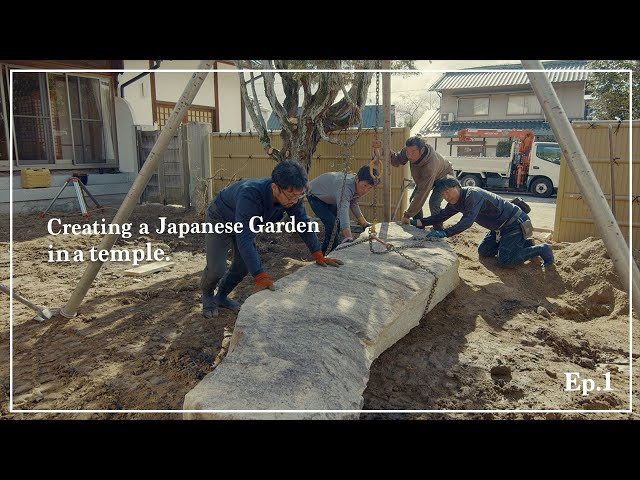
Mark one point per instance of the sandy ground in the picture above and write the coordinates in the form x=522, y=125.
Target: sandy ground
x=141, y=343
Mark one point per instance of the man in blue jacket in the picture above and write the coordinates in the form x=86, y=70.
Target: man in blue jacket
x=505, y=238
x=243, y=202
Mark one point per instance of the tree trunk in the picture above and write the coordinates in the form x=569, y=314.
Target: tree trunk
x=301, y=125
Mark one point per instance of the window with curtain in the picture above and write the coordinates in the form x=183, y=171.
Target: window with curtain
x=523, y=105
x=63, y=117
x=32, y=118
x=471, y=107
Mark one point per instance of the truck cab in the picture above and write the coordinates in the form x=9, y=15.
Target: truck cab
x=544, y=169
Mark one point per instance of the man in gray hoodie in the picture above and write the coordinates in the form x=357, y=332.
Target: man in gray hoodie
x=427, y=166
x=332, y=195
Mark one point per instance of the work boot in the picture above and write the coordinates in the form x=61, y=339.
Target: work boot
x=225, y=302
x=546, y=255
x=209, y=305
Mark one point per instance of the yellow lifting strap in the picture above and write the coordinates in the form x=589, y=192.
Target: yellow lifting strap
x=377, y=164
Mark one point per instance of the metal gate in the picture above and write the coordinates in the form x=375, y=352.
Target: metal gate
x=169, y=184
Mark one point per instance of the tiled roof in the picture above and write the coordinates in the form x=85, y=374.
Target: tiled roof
x=540, y=127
x=430, y=125
x=511, y=75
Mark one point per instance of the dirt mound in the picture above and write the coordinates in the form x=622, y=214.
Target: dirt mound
x=591, y=285
x=505, y=338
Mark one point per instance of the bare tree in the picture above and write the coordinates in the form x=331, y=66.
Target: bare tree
x=310, y=110
x=411, y=106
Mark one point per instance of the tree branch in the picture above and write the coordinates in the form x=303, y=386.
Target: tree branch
x=253, y=107
x=256, y=104
x=338, y=115
x=278, y=109
x=328, y=87
x=291, y=88
x=306, y=87
x=358, y=118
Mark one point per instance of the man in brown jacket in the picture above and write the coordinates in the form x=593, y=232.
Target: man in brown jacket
x=427, y=166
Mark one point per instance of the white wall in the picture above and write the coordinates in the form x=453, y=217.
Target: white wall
x=170, y=85
x=265, y=115
x=229, y=98
x=127, y=152
x=571, y=96
x=138, y=94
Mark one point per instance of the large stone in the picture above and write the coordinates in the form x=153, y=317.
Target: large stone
x=309, y=344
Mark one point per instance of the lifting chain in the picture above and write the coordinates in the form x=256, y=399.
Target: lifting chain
x=419, y=243
x=346, y=167
x=376, y=162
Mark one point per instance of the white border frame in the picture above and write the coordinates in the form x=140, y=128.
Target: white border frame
x=12, y=410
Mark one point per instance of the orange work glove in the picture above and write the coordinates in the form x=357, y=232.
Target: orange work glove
x=263, y=281
x=324, y=261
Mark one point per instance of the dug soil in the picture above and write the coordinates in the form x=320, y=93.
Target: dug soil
x=504, y=339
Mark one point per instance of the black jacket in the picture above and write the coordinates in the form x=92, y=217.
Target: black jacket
x=476, y=205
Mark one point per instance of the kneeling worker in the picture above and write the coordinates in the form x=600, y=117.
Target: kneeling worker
x=268, y=198
x=503, y=219
x=324, y=195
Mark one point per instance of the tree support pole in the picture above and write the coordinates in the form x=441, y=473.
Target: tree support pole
x=139, y=184
x=586, y=180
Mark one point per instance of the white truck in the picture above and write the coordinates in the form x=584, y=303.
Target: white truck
x=531, y=166
x=541, y=179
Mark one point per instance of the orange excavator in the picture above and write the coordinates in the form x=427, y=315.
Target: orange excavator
x=525, y=139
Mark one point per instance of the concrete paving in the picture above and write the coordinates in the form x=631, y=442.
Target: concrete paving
x=543, y=210
x=309, y=344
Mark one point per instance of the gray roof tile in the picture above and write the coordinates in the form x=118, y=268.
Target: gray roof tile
x=540, y=127
x=511, y=75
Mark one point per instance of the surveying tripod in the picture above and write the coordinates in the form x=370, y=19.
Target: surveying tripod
x=80, y=191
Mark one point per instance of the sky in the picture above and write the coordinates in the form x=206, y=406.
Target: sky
x=412, y=84
x=422, y=81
